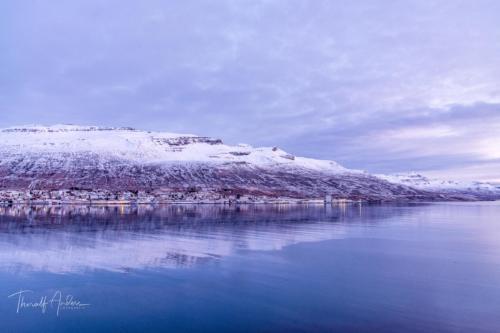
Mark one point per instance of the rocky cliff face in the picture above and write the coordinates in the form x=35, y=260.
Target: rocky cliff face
x=118, y=160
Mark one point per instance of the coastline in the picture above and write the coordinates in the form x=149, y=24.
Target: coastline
x=102, y=197
x=185, y=202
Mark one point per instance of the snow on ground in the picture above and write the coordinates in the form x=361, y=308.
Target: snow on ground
x=148, y=147
x=419, y=181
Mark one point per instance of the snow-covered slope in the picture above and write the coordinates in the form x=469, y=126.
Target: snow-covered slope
x=147, y=147
x=422, y=182
x=168, y=166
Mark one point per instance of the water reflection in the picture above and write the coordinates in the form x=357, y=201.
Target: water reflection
x=76, y=239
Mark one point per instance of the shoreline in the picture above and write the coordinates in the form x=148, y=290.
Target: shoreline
x=201, y=202
x=234, y=203
x=102, y=197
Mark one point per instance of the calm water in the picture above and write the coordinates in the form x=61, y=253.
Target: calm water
x=350, y=268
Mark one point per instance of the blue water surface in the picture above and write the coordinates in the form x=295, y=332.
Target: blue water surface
x=263, y=268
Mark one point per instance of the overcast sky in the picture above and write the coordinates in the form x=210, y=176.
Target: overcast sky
x=384, y=86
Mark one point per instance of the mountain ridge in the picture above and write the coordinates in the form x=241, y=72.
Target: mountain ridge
x=78, y=163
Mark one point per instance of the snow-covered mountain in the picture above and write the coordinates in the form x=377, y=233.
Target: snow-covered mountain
x=422, y=182
x=85, y=162
x=146, y=147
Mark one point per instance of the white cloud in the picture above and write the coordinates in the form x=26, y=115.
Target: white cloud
x=420, y=132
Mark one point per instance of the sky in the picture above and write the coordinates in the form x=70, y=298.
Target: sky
x=384, y=86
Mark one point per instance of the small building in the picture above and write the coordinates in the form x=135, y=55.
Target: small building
x=328, y=198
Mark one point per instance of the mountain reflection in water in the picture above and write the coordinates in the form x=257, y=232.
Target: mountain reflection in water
x=76, y=239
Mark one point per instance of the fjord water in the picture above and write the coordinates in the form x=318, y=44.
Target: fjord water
x=263, y=268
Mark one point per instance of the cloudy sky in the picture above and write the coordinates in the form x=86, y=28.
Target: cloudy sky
x=384, y=86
